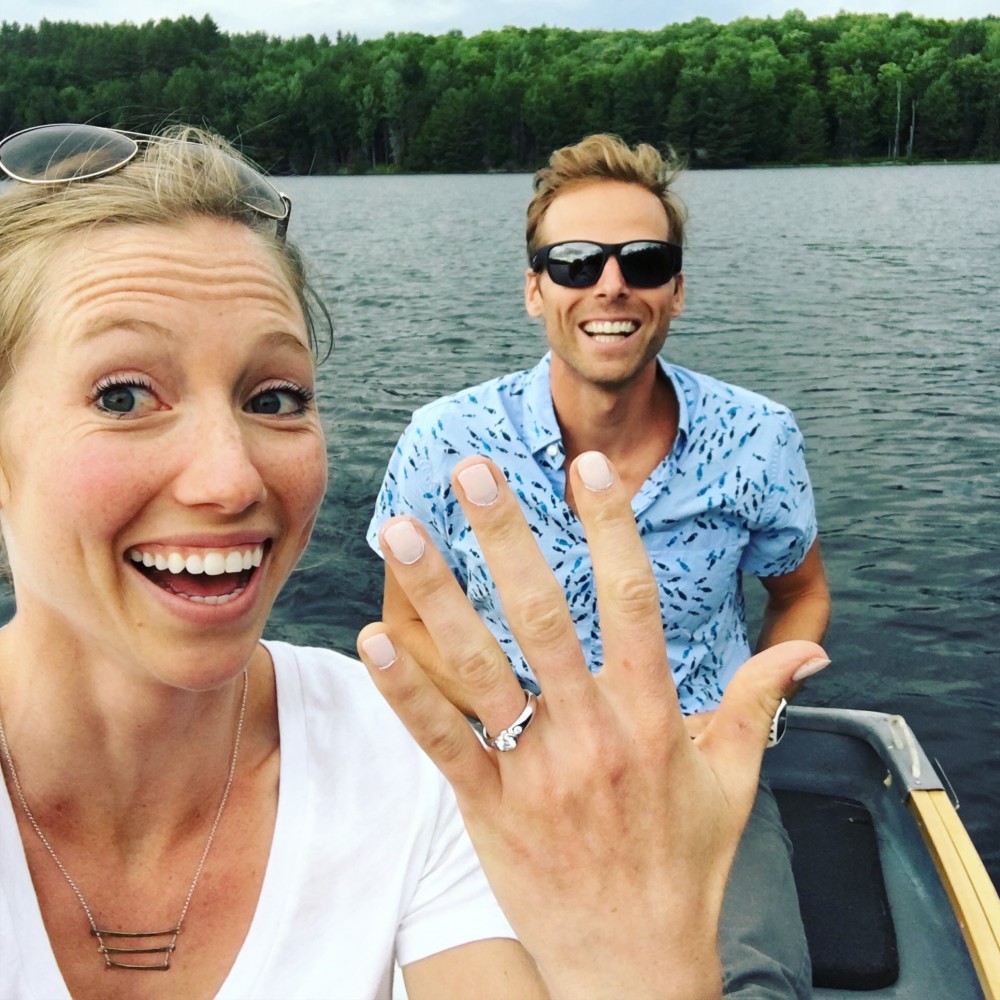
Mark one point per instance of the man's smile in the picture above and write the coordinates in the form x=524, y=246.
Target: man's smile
x=609, y=331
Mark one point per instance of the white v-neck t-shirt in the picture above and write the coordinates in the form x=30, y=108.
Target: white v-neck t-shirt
x=370, y=863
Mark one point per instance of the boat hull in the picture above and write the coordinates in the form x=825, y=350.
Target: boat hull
x=896, y=901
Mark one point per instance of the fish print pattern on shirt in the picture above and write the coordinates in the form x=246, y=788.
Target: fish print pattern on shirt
x=733, y=496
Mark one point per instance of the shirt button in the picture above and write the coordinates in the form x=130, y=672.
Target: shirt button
x=553, y=450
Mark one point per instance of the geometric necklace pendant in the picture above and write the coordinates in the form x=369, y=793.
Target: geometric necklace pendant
x=146, y=959
x=149, y=951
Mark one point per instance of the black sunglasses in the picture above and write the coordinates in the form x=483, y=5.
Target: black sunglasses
x=60, y=154
x=580, y=263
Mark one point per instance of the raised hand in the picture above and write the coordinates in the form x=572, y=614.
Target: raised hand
x=607, y=833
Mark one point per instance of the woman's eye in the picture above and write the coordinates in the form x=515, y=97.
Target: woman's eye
x=281, y=401
x=124, y=398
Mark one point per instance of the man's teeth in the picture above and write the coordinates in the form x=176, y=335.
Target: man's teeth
x=608, y=331
x=210, y=563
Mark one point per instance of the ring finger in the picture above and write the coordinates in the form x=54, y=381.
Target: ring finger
x=465, y=644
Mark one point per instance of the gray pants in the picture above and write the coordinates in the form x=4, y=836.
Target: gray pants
x=762, y=941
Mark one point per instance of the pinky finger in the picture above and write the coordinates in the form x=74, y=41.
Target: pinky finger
x=440, y=729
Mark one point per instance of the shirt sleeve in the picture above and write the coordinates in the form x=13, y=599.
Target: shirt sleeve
x=416, y=485
x=453, y=903
x=786, y=527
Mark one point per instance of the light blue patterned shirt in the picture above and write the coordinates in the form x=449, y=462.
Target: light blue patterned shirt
x=733, y=496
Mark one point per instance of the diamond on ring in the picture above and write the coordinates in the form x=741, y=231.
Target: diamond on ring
x=507, y=738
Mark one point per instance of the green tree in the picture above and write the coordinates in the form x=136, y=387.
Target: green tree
x=806, y=136
x=853, y=96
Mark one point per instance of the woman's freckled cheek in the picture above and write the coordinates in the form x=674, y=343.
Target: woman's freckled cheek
x=107, y=485
x=309, y=471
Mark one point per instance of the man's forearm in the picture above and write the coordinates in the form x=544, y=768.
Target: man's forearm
x=806, y=617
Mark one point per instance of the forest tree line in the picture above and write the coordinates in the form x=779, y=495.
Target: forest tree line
x=754, y=91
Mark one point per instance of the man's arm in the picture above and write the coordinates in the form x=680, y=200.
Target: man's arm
x=798, y=603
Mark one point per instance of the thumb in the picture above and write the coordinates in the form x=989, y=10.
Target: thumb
x=735, y=739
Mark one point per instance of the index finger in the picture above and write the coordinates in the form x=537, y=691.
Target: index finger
x=533, y=602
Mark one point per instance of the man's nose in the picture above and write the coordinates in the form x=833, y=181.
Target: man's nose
x=611, y=282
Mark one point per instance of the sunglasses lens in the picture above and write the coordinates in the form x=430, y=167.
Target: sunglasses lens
x=648, y=265
x=643, y=263
x=64, y=153
x=259, y=194
x=575, y=265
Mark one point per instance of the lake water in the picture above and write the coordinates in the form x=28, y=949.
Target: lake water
x=867, y=299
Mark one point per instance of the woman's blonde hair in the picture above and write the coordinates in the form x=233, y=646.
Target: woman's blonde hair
x=167, y=182
x=606, y=157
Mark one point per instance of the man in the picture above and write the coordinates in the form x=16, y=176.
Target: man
x=717, y=476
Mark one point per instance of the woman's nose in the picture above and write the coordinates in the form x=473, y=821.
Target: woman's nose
x=220, y=470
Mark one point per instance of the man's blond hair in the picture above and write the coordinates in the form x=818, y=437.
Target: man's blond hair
x=606, y=157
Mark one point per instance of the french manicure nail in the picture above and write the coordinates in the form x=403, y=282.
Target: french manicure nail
x=380, y=650
x=479, y=485
x=809, y=668
x=594, y=471
x=405, y=541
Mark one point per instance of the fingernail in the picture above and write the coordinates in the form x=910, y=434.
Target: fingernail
x=594, y=471
x=479, y=485
x=809, y=668
x=380, y=650
x=405, y=542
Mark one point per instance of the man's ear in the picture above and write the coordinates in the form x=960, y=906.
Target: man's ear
x=532, y=293
x=677, y=307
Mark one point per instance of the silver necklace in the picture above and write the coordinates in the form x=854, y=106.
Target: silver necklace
x=154, y=947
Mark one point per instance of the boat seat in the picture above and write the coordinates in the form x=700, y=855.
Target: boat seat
x=842, y=896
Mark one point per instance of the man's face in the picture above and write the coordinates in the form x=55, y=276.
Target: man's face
x=604, y=335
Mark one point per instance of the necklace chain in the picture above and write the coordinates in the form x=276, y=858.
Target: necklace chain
x=168, y=938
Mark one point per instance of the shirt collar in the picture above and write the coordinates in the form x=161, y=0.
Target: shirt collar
x=541, y=429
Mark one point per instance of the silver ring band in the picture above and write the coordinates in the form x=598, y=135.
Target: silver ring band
x=507, y=738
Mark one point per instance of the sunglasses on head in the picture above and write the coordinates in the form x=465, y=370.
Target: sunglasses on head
x=580, y=263
x=60, y=154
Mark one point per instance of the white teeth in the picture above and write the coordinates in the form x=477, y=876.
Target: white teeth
x=215, y=564
x=617, y=327
x=210, y=563
x=221, y=599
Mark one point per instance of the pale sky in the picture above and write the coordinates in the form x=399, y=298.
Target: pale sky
x=375, y=18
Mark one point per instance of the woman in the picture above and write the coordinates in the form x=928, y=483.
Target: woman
x=247, y=817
